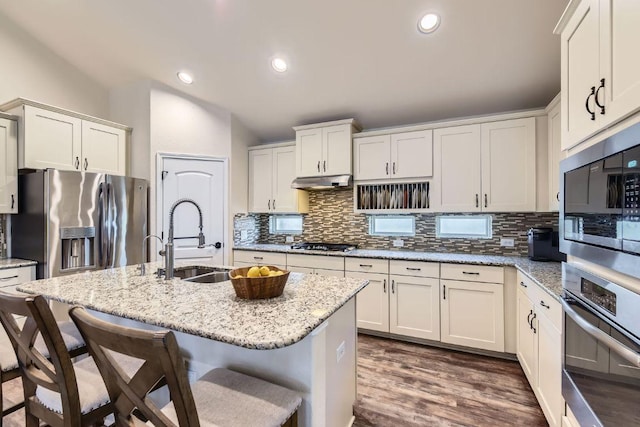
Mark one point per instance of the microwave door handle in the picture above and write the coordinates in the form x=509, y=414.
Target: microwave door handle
x=622, y=350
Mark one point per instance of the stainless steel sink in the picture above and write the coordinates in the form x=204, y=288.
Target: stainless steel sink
x=215, y=277
x=193, y=273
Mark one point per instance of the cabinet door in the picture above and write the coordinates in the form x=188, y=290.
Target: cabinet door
x=526, y=340
x=51, y=140
x=415, y=307
x=554, y=131
x=372, y=303
x=412, y=154
x=456, y=157
x=260, y=180
x=620, y=64
x=472, y=314
x=8, y=166
x=509, y=166
x=103, y=149
x=336, y=150
x=284, y=198
x=549, y=372
x=371, y=157
x=580, y=72
x=309, y=152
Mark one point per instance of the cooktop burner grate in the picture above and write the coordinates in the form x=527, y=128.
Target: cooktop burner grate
x=319, y=246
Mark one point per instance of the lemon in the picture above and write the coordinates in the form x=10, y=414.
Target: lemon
x=264, y=270
x=273, y=273
x=278, y=273
x=253, y=272
x=239, y=276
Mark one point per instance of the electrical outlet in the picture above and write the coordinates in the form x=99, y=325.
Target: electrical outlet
x=340, y=351
x=507, y=243
x=244, y=234
x=288, y=239
x=398, y=243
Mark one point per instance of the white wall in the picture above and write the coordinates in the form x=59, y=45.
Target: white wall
x=30, y=70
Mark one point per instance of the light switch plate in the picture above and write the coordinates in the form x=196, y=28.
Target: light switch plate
x=244, y=234
x=398, y=243
x=288, y=239
x=507, y=243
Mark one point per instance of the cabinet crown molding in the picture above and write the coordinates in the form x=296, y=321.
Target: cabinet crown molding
x=352, y=122
x=24, y=101
x=566, y=15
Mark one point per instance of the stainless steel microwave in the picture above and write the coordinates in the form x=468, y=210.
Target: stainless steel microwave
x=600, y=203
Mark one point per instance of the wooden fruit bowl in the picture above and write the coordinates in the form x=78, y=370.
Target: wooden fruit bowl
x=258, y=287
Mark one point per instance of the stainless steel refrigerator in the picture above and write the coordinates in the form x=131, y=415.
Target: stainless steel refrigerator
x=77, y=221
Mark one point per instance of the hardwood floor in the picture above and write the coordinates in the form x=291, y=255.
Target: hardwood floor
x=404, y=384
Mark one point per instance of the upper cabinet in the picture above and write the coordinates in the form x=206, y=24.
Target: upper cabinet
x=324, y=148
x=490, y=167
x=400, y=155
x=600, y=68
x=8, y=166
x=555, y=153
x=59, y=139
x=271, y=171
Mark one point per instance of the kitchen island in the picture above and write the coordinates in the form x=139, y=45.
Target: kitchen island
x=304, y=339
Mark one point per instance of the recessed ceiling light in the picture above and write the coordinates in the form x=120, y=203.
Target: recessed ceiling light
x=429, y=23
x=279, y=65
x=185, y=77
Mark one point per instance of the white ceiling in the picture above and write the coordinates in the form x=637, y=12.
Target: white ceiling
x=347, y=58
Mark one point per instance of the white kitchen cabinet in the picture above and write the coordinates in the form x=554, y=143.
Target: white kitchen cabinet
x=10, y=278
x=250, y=258
x=539, y=346
x=64, y=140
x=400, y=155
x=600, y=69
x=324, y=148
x=486, y=168
x=555, y=154
x=8, y=166
x=271, y=171
x=324, y=265
x=472, y=306
x=372, y=303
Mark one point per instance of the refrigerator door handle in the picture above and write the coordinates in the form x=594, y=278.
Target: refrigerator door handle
x=102, y=221
x=111, y=242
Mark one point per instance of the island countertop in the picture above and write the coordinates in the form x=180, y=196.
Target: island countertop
x=208, y=310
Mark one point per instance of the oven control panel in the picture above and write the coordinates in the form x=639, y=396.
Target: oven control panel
x=598, y=295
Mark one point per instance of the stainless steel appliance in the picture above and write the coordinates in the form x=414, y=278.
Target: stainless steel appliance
x=601, y=351
x=318, y=246
x=543, y=245
x=600, y=208
x=78, y=221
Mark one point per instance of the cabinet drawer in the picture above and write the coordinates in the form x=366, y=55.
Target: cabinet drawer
x=15, y=276
x=472, y=273
x=527, y=286
x=367, y=265
x=316, y=261
x=414, y=268
x=261, y=258
x=547, y=306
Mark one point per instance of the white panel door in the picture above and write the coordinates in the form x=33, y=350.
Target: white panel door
x=414, y=308
x=336, y=150
x=103, y=149
x=509, y=166
x=309, y=152
x=203, y=181
x=51, y=140
x=412, y=154
x=260, y=180
x=526, y=340
x=456, y=156
x=284, y=198
x=549, y=372
x=8, y=166
x=372, y=303
x=554, y=145
x=472, y=314
x=620, y=64
x=580, y=73
x=371, y=157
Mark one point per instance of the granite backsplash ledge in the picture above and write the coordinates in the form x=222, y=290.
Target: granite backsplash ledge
x=331, y=219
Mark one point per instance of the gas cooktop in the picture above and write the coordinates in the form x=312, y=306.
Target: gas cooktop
x=335, y=247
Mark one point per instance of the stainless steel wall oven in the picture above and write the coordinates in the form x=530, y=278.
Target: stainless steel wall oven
x=600, y=203
x=601, y=350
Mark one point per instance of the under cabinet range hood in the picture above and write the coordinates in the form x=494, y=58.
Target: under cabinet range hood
x=322, y=182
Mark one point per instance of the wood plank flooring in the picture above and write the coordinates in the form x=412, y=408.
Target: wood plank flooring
x=403, y=384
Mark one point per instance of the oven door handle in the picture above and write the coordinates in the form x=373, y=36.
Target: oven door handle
x=622, y=350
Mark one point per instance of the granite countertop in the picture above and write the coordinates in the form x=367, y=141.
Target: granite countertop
x=15, y=263
x=547, y=274
x=208, y=310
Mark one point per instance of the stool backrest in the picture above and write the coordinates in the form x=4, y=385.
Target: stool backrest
x=55, y=372
x=162, y=361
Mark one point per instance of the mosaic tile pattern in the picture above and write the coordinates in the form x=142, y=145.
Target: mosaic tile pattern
x=3, y=236
x=331, y=219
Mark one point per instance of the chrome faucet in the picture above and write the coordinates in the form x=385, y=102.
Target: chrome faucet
x=168, y=247
x=142, y=266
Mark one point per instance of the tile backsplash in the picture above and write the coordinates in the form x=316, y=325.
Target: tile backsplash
x=331, y=219
x=3, y=236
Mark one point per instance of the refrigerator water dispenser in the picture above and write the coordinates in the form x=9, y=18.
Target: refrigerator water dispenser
x=77, y=247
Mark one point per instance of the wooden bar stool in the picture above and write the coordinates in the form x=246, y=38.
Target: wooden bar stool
x=221, y=397
x=56, y=391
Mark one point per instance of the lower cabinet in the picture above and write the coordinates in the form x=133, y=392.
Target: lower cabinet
x=372, y=303
x=250, y=258
x=316, y=264
x=10, y=278
x=472, y=309
x=539, y=346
